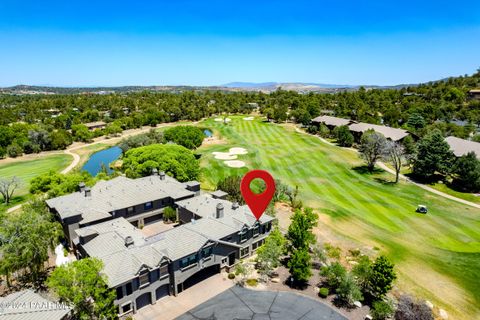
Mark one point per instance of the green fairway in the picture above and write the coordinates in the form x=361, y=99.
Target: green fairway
x=26, y=170
x=438, y=254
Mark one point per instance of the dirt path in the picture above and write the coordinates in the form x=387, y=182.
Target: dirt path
x=384, y=167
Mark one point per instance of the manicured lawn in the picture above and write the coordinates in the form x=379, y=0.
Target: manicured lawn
x=26, y=170
x=437, y=255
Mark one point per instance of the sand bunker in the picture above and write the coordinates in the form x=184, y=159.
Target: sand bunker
x=224, y=155
x=235, y=163
x=248, y=118
x=238, y=151
x=221, y=119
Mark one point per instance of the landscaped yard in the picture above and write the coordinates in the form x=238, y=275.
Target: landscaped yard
x=437, y=255
x=26, y=170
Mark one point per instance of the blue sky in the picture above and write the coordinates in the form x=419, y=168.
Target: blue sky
x=73, y=43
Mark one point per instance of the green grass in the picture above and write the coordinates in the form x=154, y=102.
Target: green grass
x=462, y=195
x=26, y=170
x=437, y=254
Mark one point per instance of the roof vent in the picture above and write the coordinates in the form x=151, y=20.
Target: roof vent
x=219, y=211
x=235, y=206
x=162, y=175
x=129, y=241
x=88, y=192
x=81, y=186
x=154, y=172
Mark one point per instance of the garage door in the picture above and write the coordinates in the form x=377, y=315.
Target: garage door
x=144, y=300
x=162, y=291
x=200, y=276
x=152, y=219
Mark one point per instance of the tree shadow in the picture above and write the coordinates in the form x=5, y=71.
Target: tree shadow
x=364, y=170
x=297, y=285
x=384, y=181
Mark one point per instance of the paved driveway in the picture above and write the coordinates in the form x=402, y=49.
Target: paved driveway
x=171, y=307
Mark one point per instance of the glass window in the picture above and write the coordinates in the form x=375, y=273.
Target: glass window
x=129, y=288
x=131, y=210
x=243, y=236
x=148, y=205
x=187, y=261
x=256, y=231
x=244, y=251
x=144, y=279
x=206, y=252
x=163, y=270
x=119, y=292
x=126, y=308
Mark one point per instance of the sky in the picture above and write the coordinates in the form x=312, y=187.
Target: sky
x=183, y=42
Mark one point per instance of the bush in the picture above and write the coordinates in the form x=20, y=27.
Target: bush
x=188, y=136
x=231, y=276
x=344, y=136
x=169, y=214
x=323, y=292
x=382, y=310
x=252, y=282
x=14, y=150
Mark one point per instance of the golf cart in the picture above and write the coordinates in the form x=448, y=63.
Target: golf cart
x=421, y=208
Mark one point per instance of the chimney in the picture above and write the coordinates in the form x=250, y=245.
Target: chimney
x=88, y=192
x=235, y=206
x=154, y=172
x=81, y=186
x=129, y=241
x=219, y=211
x=162, y=175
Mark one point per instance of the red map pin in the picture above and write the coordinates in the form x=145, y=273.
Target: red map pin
x=257, y=202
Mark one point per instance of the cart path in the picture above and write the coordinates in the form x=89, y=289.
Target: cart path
x=401, y=176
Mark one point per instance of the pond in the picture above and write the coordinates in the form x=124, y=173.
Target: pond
x=207, y=133
x=94, y=164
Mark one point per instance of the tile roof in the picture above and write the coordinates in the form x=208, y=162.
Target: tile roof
x=461, y=147
x=393, y=134
x=115, y=194
x=28, y=305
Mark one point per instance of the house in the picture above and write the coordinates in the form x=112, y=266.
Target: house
x=393, y=134
x=332, y=122
x=95, y=125
x=214, y=234
x=474, y=94
x=461, y=147
x=140, y=201
x=28, y=305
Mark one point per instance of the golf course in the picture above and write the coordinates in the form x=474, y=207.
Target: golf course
x=437, y=255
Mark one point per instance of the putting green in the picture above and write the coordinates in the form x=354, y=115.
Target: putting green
x=437, y=255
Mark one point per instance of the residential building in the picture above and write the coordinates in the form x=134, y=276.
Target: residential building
x=474, y=94
x=140, y=201
x=95, y=125
x=332, y=122
x=461, y=147
x=393, y=134
x=28, y=305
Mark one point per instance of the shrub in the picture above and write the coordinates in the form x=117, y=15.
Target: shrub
x=323, y=292
x=188, y=136
x=252, y=282
x=344, y=136
x=14, y=150
x=382, y=310
x=169, y=214
x=231, y=276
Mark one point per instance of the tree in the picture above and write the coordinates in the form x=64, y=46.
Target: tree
x=81, y=133
x=8, y=187
x=169, y=214
x=467, y=171
x=175, y=160
x=381, y=277
x=27, y=238
x=394, y=153
x=334, y=274
x=348, y=291
x=363, y=272
x=433, y=155
x=268, y=255
x=416, y=121
x=382, y=310
x=410, y=149
x=82, y=285
x=231, y=185
x=14, y=150
x=344, y=136
x=300, y=265
x=300, y=232
x=188, y=136
x=408, y=308
x=113, y=129
x=372, y=147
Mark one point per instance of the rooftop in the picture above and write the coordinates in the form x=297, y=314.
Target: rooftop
x=461, y=147
x=332, y=121
x=393, y=134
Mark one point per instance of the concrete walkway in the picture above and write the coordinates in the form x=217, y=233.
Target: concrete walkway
x=389, y=170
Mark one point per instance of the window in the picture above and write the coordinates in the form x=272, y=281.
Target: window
x=244, y=252
x=244, y=236
x=269, y=227
x=163, y=271
x=207, y=252
x=148, y=205
x=188, y=261
x=257, y=244
x=144, y=279
x=229, y=238
x=129, y=288
x=126, y=308
x=256, y=231
x=131, y=210
x=119, y=292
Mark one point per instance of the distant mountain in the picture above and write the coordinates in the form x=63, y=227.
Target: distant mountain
x=280, y=84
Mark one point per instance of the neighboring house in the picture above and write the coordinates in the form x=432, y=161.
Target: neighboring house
x=474, y=94
x=461, y=147
x=393, y=134
x=214, y=234
x=140, y=201
x=28, y=305
x=95, y=125
x=332, y=122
